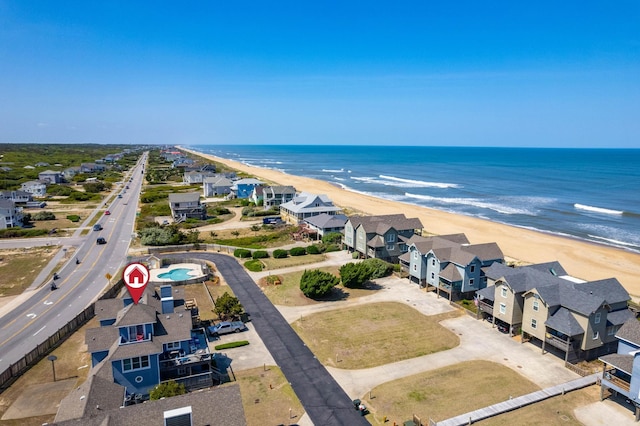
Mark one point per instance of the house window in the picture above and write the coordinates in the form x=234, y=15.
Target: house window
x=471, y=282
x=136, y=363
x=536, y=305
x=173, y=345
x=597, y=318
x=534, y=323
x=596, y=335
x=433, y=262
x=472, y=269
x=503, y=308
x=391, y=238
x=390, y=247
x=415, y=254
x=136, y=332
x=503, y=292
x=433, y=276
x=415, y=267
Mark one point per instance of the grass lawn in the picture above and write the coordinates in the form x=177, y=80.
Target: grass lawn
x=272, y=264
x=267, y=397
x=374, y=334
x=288, y=292
x=205, y=305
x=19, y=267
x=73, y=362
x=554, y=411
x=446, y=392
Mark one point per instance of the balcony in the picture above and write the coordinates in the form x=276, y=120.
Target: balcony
x=610, y=376
x=557, y=342
x=485, y=307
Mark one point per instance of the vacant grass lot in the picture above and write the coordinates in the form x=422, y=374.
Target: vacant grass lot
x=447, y=392
x=374, y=334
x=267, y=397
x=200, y=293
x=19, y=267
x=274, y=264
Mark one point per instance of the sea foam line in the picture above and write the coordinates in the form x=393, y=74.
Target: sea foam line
x=597, y=209
x=402, y=183
x=421, y=183
x=472, y=202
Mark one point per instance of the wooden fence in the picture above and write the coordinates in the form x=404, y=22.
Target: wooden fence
x=17, y=369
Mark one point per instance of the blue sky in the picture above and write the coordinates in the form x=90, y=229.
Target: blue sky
x=460, y=73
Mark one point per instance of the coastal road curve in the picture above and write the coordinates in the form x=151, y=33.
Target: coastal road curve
x=325, y=402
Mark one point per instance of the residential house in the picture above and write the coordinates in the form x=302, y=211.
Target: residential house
x=35, y=187
x=257, y=196
x=579, y=318
x=383, y=237
x=323, y=224
x=92, y=167
x=187, y=205
x=244, y=187
x=306, y=205
x=449, y=264
x=42, y=164
x=50, y=176
x=17, y=196
x=274, y=196
x=196, y=177
x=211, y=168
x=10, y=214
x=70, y=172
x=216, y=185
x=182, y=161
x=138, y=346
x=621, y=370
x=95, y=403
x=559, y=311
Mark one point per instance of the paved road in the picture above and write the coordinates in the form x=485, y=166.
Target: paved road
x=323, y=399
x=31, y=321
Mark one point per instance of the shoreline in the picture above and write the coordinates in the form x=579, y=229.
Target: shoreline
x=586, y=260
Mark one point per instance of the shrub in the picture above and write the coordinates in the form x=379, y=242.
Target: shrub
x=166, y=390
x=316, y=283
x=20, y=233
x=43, y=216
x=280, y=254
x=231, y=345
x=331, y=247
x=355, y=255
x=332, y=238
x=260, y=254
x=377, y=268
x=298, y=251
x=254, y=265
x=353, y=275
x=313, y=249
x=242, y=253
x=73, y=218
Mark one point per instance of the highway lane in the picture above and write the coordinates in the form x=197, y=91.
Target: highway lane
x=32, y=322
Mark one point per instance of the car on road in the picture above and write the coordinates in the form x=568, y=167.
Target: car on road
x=101, y=241
x=97, y=227
x=107, y=213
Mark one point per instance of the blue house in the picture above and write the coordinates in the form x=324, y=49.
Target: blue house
x=243, y=188
x=621, y=371
x=138, y=346
x=449, y=264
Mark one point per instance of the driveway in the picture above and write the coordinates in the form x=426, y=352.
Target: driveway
x=324, y=401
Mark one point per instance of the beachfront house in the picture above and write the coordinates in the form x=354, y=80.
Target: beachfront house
x=243, y=188
x=138, y=346
x=305, y=205
x=187, y=205
x=621, y=370
x=449, y=264
x=196, y=177
x=257, y=196
x=274, y=196
x=17, y=196
x=382, y=237
x=10, y=214
x=579, y=318
x=323, y=224
x=216, y=185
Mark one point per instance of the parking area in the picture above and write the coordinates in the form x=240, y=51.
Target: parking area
x=255, y=354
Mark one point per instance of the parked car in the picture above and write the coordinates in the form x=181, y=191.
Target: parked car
x=107, y=213
x=97, y=227
x=226, y=327
x=101, y=241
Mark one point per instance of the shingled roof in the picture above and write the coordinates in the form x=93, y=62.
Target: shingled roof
x=630, y=332
x=379, y=225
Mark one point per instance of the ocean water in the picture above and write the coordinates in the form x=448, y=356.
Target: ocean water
x=590, y=194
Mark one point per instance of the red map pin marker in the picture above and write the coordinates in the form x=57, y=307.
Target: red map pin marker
x=136, y=277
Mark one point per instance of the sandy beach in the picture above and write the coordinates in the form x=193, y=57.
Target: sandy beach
x=581, y=259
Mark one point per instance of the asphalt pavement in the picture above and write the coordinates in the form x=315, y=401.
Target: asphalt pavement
x=323, y=399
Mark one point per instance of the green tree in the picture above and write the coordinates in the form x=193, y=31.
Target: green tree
x=166, y=390
x=332, y=238
x=228, y=306
x=94, y=187
x=316, y=283
x=255, y=228
x=353, y=275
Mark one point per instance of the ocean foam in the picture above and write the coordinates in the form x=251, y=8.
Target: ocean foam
x=402, y=183
x=597, y=209
x=474, y=202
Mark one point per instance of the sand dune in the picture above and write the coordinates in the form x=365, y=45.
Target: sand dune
x=581, y=259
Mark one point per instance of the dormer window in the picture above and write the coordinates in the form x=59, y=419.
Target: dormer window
x=136, y=333
x=391, y=238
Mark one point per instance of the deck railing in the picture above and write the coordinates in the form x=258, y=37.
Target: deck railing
x=622, y=384
x=558, y=342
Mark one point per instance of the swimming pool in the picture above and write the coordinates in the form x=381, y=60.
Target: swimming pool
x=178, y=274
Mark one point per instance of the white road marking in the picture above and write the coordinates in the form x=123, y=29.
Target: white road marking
x=31, y=316
x=43, y=327
x=46, y=302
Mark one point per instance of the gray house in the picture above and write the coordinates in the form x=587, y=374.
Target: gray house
x=187, y=205
x=216, y=185
x=50, y=176
x=274, y=196
x=383, y=237
x=10, y=214
x=306, y=205
x=324, y=223
x=35, y=187
x=449, y=264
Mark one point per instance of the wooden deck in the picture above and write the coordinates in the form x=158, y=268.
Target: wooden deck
x=518, y=402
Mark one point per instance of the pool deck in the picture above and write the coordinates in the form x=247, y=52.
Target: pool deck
x=196, y=272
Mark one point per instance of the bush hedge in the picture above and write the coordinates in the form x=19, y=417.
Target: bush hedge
x=313, y=249
x=73, y=218
x=254, y=265
x=298, y=251
x=242, y=253
x=260, y=254
x=231, y=345
x=280, y=254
